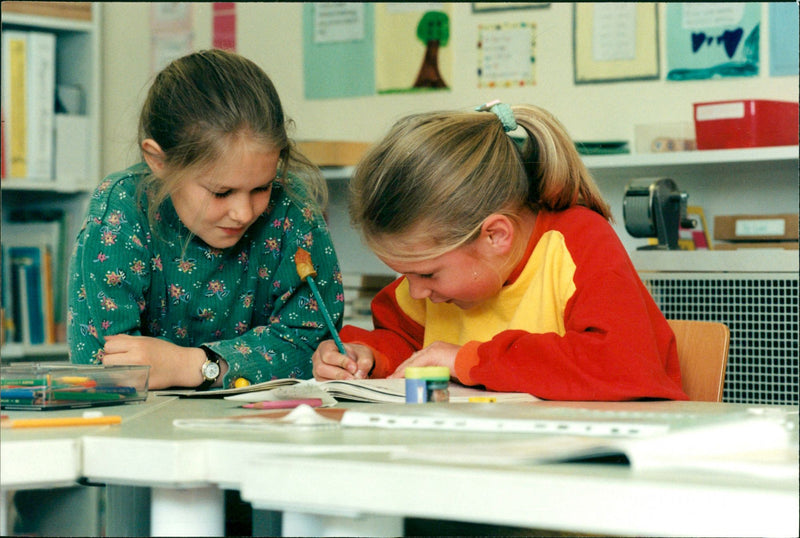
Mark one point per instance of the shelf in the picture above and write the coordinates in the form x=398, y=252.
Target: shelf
x=636, y=163
x=690, y=158
x=22, y=185
x=56, y=24
x=13, y=351
x=77, y=62
x=768, y=260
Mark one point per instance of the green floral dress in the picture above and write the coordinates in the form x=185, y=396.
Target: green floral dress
x=246, y=303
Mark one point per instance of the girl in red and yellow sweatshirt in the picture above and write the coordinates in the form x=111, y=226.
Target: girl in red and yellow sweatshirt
x=511, y=273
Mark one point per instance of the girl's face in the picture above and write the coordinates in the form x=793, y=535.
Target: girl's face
x=462, y=277
x=221, y=202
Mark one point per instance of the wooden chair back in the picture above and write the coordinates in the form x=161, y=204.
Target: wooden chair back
x=703, y=356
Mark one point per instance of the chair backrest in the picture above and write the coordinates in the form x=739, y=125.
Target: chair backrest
x=703, y=356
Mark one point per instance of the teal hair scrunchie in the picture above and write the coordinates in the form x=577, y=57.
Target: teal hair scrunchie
x=502, y=111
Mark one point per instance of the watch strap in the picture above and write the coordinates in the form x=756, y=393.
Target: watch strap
x=210, y=356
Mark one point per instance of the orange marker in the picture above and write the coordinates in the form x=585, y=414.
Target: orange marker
x=60, y=421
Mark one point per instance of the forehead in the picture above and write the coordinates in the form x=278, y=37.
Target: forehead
x=245, y=161
x=455, y=258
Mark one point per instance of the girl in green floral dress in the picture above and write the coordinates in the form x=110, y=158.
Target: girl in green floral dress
x=185, y=261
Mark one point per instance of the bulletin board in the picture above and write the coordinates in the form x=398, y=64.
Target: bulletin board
x=615, y=41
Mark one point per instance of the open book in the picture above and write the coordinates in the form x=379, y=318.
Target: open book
x=358, y=390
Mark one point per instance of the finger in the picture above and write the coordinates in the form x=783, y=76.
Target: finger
x=328, y=371
x=364, y=365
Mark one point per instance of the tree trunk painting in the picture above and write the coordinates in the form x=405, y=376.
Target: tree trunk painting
x=434, y=31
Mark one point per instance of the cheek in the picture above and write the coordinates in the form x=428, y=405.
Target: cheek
x=261, y=202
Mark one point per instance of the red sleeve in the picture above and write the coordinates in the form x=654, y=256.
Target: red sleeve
x=608, y=353
x=396, y=335
x=617, y=344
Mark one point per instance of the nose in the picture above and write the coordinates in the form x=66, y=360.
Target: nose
x=417, y=289
x=241, y=209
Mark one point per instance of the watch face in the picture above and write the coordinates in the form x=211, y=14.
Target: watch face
x=211, y=370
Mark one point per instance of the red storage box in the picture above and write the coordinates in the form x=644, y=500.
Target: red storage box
x=745, y=124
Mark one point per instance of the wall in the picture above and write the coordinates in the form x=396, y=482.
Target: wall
x=270, y=34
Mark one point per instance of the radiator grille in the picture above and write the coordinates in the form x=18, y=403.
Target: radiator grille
x=761, y=311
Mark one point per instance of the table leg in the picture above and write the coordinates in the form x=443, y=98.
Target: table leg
x=187, y=512
x=304, y=524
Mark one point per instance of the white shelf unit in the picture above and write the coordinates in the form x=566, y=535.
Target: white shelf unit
x=77, y=63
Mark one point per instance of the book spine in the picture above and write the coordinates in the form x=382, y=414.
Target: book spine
x=23, y=316
x=3, y=152
x=17, y=107
x=9, y=299
x=48, y=305
x=41, y=104
x=29, y=263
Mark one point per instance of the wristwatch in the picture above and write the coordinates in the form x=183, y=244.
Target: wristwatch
x=210, y=369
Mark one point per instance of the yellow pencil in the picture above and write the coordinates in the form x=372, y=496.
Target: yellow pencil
x=60, y=421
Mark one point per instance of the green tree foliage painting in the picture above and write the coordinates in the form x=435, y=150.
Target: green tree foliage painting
x=434, y=31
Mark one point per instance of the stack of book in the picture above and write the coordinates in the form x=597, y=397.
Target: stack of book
x=34, y=276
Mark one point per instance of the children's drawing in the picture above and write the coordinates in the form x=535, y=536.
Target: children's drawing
x=708, y=40
x=434, y=31
x=412, y=51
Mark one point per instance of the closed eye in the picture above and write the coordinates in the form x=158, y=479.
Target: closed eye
x=226, y=193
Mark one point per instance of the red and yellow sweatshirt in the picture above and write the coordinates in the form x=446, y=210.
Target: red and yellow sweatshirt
x=573, y=322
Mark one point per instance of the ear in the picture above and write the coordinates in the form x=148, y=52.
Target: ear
x=497, y=234
x=153, y=156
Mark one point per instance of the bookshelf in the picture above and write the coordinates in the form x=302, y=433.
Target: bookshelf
x=62, y=194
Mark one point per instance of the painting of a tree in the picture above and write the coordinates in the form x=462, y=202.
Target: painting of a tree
x=434, y=31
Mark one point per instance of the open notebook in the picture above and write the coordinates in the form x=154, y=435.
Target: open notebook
x=357, y=390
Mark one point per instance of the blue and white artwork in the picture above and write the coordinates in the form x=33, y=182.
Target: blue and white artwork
x=709, y=40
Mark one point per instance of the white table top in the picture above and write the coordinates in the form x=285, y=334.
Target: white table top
x=355, y=471
x=52, y=457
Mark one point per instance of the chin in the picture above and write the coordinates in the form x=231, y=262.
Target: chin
x=223, y=243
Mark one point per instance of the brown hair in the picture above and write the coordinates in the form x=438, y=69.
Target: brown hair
x=200, y=103
x=445, y=172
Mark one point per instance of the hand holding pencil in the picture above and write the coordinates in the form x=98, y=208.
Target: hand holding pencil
x=306, y=271
x=353, y=367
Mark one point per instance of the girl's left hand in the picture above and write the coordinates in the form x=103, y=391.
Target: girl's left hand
x=436, y=354
x=171, y=365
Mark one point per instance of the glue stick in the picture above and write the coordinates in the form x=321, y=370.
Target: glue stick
x=427, y=384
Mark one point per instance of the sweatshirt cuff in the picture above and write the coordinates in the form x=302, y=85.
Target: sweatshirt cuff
x=466, y=359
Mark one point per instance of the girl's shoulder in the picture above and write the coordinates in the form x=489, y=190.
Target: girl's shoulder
x=118, y=192
x=576, y=219
x=294, y=204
